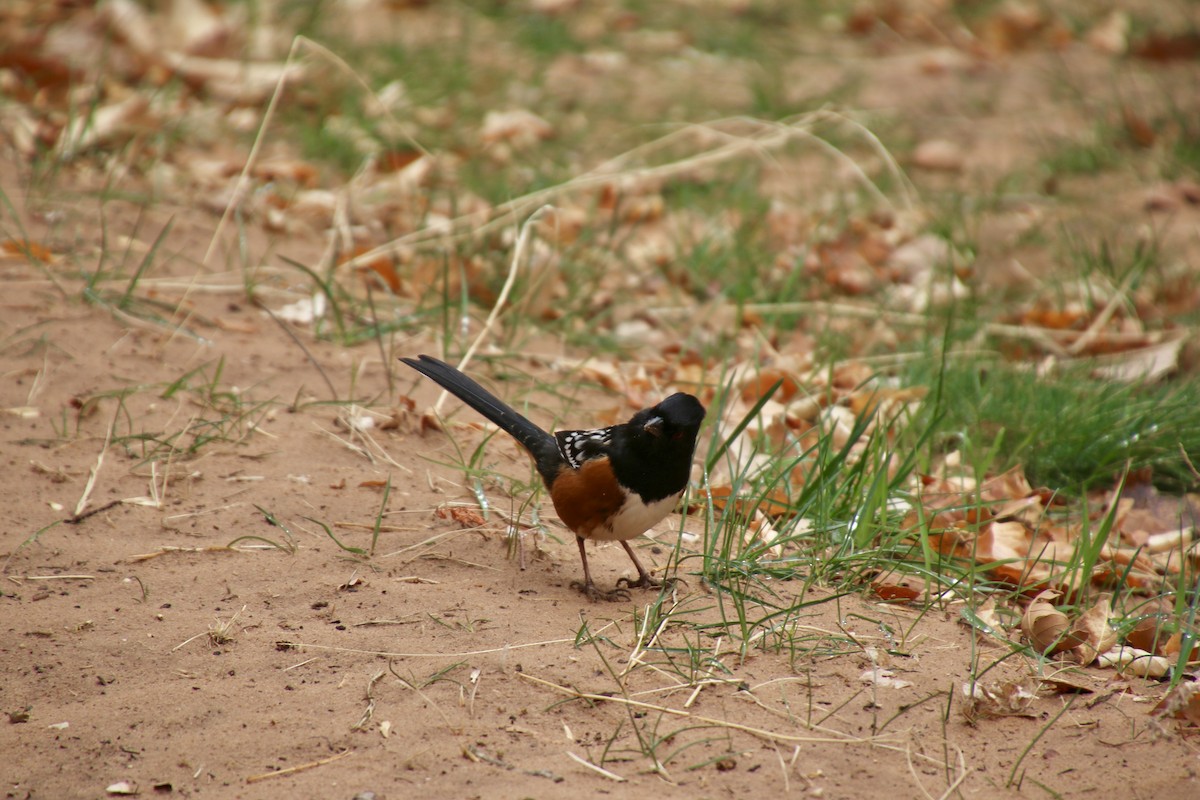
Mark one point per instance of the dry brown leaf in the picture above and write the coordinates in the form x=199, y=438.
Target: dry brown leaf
x=899, y=588
x=1111, y=34
x=1138, y=128
x=1003, y=699
x=29, y=250
x=235, y=325
x=293, y=170
x=1145, y=363
x=761, y=531
x=1148, y=633
x=1182, y=702
x=196, y=27
x=1004, y=542
x=885, y=400
x=1054, y=684
x=644, y=209
x=130, y=23
x=1168, y=47
x=381, y=267
x=988, y=614
x=774, y=503
x=1058, y=319
x=884, y=679
x=465, y=517
x=756, y=385
x=1135, y=662
x=940, y=155
x=1171, y=649
x=104, y=125
x=562, y=225
x=1046, y=627
x=518, y=127
x=1093, y=628
x=236, y=80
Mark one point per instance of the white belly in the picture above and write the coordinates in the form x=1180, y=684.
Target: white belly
x=635, y=518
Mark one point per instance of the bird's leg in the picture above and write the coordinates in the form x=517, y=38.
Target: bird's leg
x=644, y=578
x=589, y=588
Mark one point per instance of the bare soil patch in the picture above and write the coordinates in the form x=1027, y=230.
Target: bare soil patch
x=192, y=630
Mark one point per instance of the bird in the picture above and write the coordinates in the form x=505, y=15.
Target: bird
x=606, y=484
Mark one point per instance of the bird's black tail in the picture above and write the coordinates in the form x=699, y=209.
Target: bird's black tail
x=540, y=444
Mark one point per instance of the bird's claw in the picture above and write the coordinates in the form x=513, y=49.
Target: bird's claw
x=595, y=593
x=644, y=581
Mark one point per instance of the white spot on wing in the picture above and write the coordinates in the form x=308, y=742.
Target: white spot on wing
x=574, y=445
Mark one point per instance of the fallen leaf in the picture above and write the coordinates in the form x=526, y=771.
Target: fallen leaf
x=1046, y=627
x=899, y=588
x=1148, y=634
x=1163, y=47
x=1135, y=661
x=775, y=502
x=1095, y=631
x=1182, y=702
x=940, y=155
x=518, y=127
x=1171, y=649
x=1054, y=684
x=1111, y=34
x=466, y=517
x=1003, y=699
x=1138, y=128
x=29, y=250
x=884, y=678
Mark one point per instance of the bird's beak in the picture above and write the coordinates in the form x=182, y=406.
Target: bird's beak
x=654, y=427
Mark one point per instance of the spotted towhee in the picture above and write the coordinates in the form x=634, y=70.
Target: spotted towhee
x=610, y=483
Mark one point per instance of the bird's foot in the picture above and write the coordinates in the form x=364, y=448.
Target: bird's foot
x=595, y=593
x=643, y=581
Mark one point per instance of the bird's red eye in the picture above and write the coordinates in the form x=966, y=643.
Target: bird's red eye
x=675, y=437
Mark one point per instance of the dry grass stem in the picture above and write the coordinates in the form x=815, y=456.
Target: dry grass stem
x=612, y=776
x=263, y=776
x=501, y=299
x=463, y=654
x=94, y=472
x=171, y=549
x=56, y=578
x=428, y=701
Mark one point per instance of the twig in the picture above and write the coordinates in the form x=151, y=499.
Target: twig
x=612, y=776
x=94, y=472
x=239, y=188
x=428, y=700
x=476, y=753
x=759, y=733
x=761, y=140
x=59, y=578
x=1093, y=330
x=168, y=549
x=501, y=299
x=386, y=654
x=1191, y=467
x=369, y=711
x=78, y=518
x=298, y=768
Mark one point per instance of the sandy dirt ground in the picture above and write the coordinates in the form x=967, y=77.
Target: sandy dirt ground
x=139, y=648
x=195, y=629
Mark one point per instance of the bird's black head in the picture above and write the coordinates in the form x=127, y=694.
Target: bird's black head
x=653, y=451
x=674, y=419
